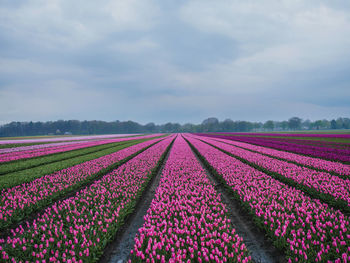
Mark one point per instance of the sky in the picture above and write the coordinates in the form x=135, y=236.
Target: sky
x=174, y=61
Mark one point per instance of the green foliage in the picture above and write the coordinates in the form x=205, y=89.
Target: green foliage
x=23, y=176
x=21, y=164
x=208, y=125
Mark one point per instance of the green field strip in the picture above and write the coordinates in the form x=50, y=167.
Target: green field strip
x=29, y=213
x=313, y=193
x=25, y=176
x=22, y=164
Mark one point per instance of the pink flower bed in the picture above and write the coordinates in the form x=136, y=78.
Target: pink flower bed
x=321, y=181
x=37, y=146
x=339, y=168
x=34, y=151
x=186, y=221
x=78, y=228
x=307, y=229
x=21, y=200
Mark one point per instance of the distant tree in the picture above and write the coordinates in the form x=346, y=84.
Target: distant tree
x=269, y=125
x=210, y=124
x=306, y=124
x=294, y=123
x=150, y=127
x=211, y=120
x=257, y=126
x=318, y=124
x=333, y=124
x=339, y=123
x=326, y=124
x=346, y=123
x=171, y=127
x=227, y=125
x=188, y=127
x=244, y=126
x=284, y=125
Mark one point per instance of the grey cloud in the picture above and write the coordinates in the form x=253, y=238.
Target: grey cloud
x=164, y=61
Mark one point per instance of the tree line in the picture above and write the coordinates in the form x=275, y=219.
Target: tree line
x=61, y=127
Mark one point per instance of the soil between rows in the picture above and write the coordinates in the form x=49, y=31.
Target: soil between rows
x=261, y=248
x=119, y=249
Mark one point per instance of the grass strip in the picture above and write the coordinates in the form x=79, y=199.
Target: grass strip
x=22, y=164
x=25, y=176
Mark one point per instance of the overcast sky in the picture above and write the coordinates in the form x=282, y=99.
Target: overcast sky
x=178, y=61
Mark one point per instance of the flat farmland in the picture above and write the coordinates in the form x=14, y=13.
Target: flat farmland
x=208, y=197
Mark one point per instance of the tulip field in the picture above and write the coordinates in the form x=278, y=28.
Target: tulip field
x=217, y=198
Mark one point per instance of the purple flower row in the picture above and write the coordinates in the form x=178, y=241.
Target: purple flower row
x=319, y=135
x=35, y=152
x=21, y=200
x=307, y=229
x=78, y=228
x=320, y=181
x=333, y=147
x=322, y=152
x=339, y=168
x=186, y=221
x=326, y=146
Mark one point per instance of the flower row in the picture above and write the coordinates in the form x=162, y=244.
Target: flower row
x=78, y=228
x=35, y=152
x=296, y=147
x=37, y=146
x=321, y=182
x=19, y=201
x=327, y=146
x=186, y=221
x=307, y=229
x=339, y=168
x=323, y=135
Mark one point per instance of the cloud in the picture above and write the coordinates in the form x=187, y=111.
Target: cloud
x=278, y=42
x=62, y=23
x=162, y=61
x=56, y=98
x=137, y=46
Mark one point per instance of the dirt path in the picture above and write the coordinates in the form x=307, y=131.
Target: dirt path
x=261, y=248
x=118, y=251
